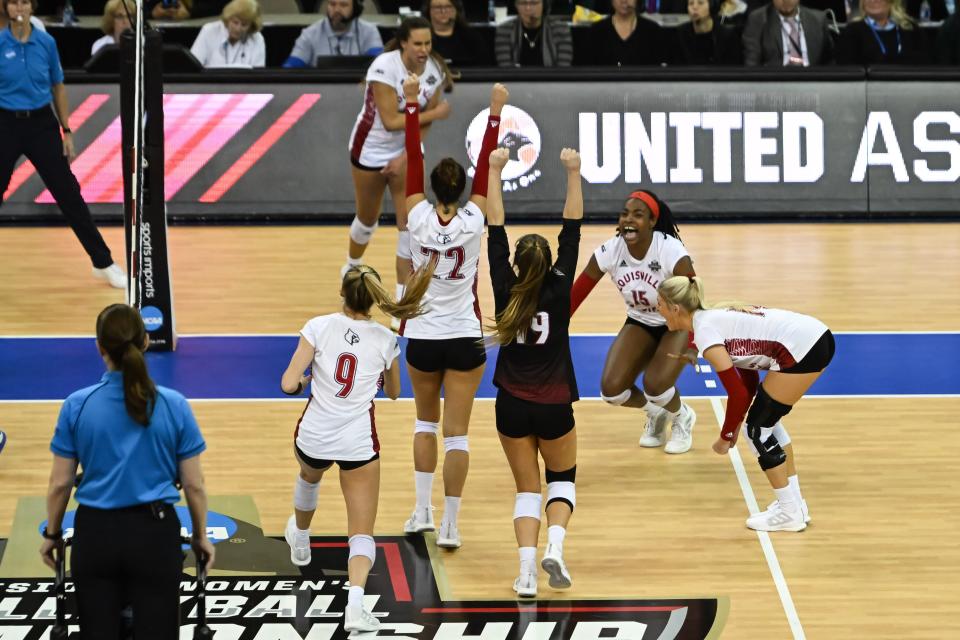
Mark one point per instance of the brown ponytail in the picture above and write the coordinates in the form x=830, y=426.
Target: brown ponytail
x=533, y=260
x=362, y=289
x=121, y=334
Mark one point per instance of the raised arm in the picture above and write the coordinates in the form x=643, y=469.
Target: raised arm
x=411, y=111
x=569, y=240
x=491, y=136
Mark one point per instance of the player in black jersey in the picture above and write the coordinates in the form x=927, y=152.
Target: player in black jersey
x=534, y=374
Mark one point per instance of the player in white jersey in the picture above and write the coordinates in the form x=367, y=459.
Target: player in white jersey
x=646, y=250
x=739, y=341
x=349, y=356
x=444, y=348
x=376, y=143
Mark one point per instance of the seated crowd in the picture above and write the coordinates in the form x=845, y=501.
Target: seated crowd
x=614, y=33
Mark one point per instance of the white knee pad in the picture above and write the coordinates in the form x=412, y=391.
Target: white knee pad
x=527, y=505
x=305, y=495
x=403, y=245
x=663, y=399
x=422, y=426
x=780, y=432
x=456, y=443
x=361, y=233
x=764, y=434
x=363, y=545
x=562, y=490
x=618, y=399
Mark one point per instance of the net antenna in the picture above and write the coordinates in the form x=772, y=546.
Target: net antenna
x=134, y=297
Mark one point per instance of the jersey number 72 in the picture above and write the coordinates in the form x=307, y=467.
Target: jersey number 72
x=539, y=326
x=454, y=253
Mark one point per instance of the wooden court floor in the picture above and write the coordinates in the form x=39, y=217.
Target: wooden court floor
x=881, y=558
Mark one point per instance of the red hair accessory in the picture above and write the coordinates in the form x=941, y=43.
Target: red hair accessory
x=648, y=200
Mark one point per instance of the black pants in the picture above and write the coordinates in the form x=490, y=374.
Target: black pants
x=38, y=138
x=126, y=556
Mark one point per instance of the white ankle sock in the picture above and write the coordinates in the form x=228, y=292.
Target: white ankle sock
x=794, y=483
x=355, y=597
x=352, y=262
x=787, y=500
x=528, y=559
x=424, y=484
x=451, y=509
x=556, y=534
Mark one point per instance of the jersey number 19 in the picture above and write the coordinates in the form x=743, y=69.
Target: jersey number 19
x=539, y=327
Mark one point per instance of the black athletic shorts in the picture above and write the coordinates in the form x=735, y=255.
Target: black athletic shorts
x=518, y=418
x=817, y=358
x=363, y=167
x=345, y=465
x=459, y=354
x=656, y=332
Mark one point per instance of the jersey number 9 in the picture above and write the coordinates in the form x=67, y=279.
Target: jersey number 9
x=539, y=325
x=345, y=373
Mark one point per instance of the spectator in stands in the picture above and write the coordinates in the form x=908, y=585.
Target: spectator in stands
x=341, y=33
x=938, y=9
x=733, y=12
x=883, y=33
x=533, y=38
x=948, y=41
x=116, y=20
x=780, y=34
x=168, y=9
x=623, y=38
x=234, y=40
x=453, y=38
x=35, y=22
x=705, y=40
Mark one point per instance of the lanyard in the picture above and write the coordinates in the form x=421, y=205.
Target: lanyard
x=240, y=53
x=876, y=36
x=795, y=42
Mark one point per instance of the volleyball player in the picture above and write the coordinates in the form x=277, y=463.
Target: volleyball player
x=740, y=340
x=534, y=375
x=349, y=355
x=444, y=349
x=646, y=250
x=376, y=143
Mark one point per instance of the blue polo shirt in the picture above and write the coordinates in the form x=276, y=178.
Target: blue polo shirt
x=28, y=70
x=124, y=463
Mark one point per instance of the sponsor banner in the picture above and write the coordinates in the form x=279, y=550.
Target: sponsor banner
x=402, y=592
x=707, y=148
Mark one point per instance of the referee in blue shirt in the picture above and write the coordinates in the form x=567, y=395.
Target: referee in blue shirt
x=31, y=80
x=133, y=440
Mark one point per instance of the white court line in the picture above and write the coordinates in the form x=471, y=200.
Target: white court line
x=765, y=543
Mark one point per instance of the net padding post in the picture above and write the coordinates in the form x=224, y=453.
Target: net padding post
x=144, y=210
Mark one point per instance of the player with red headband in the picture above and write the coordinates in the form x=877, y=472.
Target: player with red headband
x=646, y=250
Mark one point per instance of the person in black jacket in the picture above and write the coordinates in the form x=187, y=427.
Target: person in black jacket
x=534, y=376
x=883, y=34
x=948, y=41
x=624, y=39
x=453, y=38
x=705, y=40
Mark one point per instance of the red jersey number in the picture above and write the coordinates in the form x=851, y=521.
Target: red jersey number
x=456, y=254
x=345, y=373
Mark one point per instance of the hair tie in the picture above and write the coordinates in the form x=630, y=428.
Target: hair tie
x=692, y=281
x=362, y=273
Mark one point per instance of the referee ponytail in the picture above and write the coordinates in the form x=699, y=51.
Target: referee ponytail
x=123, y=338
x=362, y=288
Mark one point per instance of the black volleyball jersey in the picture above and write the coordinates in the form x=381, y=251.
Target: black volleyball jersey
x=537, y=366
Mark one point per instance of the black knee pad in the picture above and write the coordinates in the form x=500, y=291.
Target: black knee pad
x=570, y=475
x=764, y=413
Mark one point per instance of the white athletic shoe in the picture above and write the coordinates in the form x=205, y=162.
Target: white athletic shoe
x=553, y=564
x=654, y=433
x=526, y=585
x=359, y=619
x=420, y=520
x=113, y=274
x=681, y=433
x=448, y=536
x=299, y=548
x=803, y=508
x=777, y=520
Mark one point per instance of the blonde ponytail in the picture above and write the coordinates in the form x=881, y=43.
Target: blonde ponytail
x=362, y=288
x=689, y=293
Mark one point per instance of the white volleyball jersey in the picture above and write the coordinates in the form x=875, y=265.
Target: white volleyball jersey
x=452, y=308
x=637, y=280
x=370, y=143
x=758, y=338
x=349, y=356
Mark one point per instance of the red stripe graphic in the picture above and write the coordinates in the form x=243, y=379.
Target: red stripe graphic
x=252, y=155
x=80, y=115
x=547, y=609
x=363, y=129
x=391, y=553
x=373, y=430
x=769, y=348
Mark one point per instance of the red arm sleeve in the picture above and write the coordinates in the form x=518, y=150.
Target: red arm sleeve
x=738, y=401
x=414, y=152
x=581, y=289
x=491, y=135
x=751, y=380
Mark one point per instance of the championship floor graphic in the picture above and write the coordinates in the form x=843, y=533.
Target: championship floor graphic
x=248, y=367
